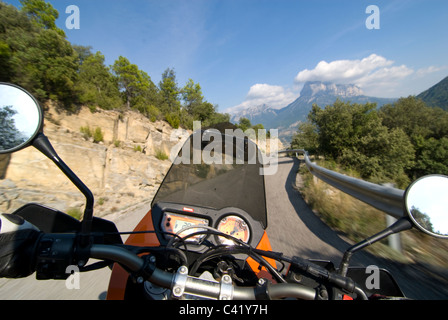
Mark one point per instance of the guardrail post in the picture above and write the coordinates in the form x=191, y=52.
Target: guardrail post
x=394, y=239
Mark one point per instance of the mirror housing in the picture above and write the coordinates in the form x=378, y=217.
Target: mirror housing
x=426, y=206
x=21, y=118
x=21, y=124
x=426, y=203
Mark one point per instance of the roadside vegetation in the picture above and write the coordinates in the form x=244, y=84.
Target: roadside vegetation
x=35, y=54
x=395, y=144
x=356, y=221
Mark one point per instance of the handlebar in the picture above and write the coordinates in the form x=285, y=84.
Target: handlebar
x=182, y=283
x=24, y=250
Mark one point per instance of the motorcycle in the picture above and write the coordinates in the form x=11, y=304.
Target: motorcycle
x=204, y=236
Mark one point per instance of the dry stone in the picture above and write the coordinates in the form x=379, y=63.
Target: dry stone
x=116, y=172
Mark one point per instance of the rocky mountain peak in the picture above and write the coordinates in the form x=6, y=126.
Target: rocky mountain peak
x=319, y=88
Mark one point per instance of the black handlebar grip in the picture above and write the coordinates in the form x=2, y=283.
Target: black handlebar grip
x=18, y=240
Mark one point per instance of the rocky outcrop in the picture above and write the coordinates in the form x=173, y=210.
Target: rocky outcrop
x=122, y=170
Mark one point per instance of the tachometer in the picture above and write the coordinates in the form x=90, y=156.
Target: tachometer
x=235, y=227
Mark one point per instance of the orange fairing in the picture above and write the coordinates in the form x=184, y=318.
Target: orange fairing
x=260, y=271
x=119, y=277
x=117, y=283
x=144, y=239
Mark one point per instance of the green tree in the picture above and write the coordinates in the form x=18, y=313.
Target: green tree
x=17, y=36
x=306, y=138
x=136, y=86
x=42, y=13
x=354, y=136
x=56, y=65
x=5, y=61
x=204, y=112
x=83, y=52
x=244, y=124
x=39, y=58
x=339, y=126
x=197, y=108
x=10, y=136
x=431, y=157
x=169, y=93
x=427, y=129
x=219, y=117
x=192, y=96
x=410, y=114
x=96, y=85
x=35, y=54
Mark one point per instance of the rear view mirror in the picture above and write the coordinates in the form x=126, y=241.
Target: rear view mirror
x=21, y=124
x=20, y=118
x=426, y=202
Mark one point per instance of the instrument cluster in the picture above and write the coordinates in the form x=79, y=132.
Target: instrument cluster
x=171, y=219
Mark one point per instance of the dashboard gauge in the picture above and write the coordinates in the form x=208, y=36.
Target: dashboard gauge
x=175, y=223
x=235, y=227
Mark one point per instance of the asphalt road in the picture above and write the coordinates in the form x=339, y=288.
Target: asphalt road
x=292, y=228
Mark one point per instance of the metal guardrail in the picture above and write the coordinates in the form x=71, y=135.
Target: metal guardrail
x=386, y=199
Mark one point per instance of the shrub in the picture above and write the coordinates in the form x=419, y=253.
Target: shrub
x=96, y=134
x=173, y=120
x=161, y=155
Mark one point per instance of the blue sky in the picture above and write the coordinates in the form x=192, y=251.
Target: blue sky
x=248, y=52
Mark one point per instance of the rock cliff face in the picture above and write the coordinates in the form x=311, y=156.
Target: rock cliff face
x=122, y=171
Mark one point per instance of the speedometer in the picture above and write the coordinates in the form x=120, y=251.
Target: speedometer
x=235, y=227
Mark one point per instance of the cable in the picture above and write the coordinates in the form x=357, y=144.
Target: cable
x=244, y=248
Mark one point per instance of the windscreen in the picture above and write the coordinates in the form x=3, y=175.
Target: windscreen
x=217, y=171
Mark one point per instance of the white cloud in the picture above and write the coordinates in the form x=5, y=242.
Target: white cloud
x=343, y=71
x=428, y=70
x=274, y=96
x=375, y=74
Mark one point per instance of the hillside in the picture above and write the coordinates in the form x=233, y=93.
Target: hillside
x=437, y=95
x=122, y=171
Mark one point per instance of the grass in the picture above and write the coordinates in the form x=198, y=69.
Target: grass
x=117, y=143
x=161, y=155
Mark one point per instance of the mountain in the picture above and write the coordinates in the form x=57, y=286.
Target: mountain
x=257, y=114
x=437, y=95
x=287, y=119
